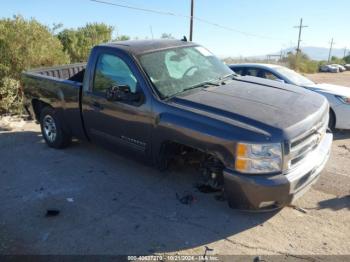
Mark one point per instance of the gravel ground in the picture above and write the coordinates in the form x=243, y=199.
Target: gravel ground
x=332, y=78
x=112, y=205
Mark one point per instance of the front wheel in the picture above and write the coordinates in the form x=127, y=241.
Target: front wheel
x=51, y=129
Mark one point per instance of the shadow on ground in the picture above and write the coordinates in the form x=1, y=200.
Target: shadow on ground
x=107, y=204
x=5, y=128
x=341, y=134
x=336, y=203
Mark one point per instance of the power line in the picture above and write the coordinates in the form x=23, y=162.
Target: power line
x=160, y=12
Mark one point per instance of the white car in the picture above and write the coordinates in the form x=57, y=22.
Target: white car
x=340, y=67
x=329, y=68
x=337, y=96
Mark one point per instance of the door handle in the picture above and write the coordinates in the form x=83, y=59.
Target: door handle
x=97, y=106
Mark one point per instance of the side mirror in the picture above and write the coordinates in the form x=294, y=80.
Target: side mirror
x=122, y=93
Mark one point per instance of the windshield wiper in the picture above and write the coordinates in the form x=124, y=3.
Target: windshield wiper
x=231, y=76
x=203, y=84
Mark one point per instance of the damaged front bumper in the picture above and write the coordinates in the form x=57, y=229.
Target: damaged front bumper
x=267, y=192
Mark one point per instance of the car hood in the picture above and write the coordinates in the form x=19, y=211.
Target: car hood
x=331, y=89
x=260, y=104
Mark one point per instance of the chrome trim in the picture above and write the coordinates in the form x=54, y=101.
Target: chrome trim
x=304, y=144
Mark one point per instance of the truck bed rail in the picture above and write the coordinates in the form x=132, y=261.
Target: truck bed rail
x=72, y=72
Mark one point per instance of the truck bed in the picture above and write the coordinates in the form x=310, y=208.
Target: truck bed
x=59, y=87
x=72, y=72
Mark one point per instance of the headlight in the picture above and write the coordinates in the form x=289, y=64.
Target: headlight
x=344, y=99
x=258, y=158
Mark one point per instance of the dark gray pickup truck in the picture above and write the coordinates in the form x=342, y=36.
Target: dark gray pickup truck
x=261, y=142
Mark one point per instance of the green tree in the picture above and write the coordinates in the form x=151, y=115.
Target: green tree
x=24, y=44
x=347, y=59
x=337, y=60
x=122, y=38
x=78, y=42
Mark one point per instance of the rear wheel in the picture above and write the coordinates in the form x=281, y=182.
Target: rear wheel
x=51, y=129
x=331, y=123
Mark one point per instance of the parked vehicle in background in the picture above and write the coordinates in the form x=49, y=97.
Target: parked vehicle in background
x=340, y=67
x=164, y=99
x=347, y=66
x=337, y=96
x=329, y=69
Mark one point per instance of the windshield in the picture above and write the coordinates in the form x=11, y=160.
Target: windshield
x=176, y=70
x=294, y=77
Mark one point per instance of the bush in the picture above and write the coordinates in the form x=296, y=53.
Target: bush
x=10, y=96
x=308, y=67
x=24, y=44
x=302, y=63
x=347, y=59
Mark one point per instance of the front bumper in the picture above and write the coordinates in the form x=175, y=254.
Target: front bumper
x=266, y=191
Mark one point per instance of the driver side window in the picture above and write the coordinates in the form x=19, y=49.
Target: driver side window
x=111, y=71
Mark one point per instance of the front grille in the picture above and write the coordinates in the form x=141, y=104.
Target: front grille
x=302, y=146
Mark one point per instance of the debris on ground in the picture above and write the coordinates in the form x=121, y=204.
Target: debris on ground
x=302, y=210
x=345, y=147
x=207, y=189
x=187, y=199
x=207, y=249
x=52, y=212
x=220, y=198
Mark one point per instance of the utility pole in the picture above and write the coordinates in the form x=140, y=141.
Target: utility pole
x=300, y=26
x=344, y=52
x=330, y=51
x=191, y=22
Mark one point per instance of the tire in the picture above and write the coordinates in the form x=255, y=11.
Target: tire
x=51, y=129
x=331, y=123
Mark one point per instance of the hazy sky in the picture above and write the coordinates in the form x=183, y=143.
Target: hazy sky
x=271, y=18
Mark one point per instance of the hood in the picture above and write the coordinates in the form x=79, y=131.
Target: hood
x=262, y=104
x=331, y=89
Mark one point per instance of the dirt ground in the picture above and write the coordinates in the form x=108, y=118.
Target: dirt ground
x=111, y=205
x=332, y=78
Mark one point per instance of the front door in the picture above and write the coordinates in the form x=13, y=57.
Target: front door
x=118, y=124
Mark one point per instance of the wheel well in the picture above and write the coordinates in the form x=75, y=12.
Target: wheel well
x=208, y=165
x=38, y=106
x=172, y=150
x=331, y=113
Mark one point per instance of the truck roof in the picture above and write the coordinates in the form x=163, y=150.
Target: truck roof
x=139, y=47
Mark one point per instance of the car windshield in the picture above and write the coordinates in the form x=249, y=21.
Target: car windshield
x=294, y=77
x=176, y=70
